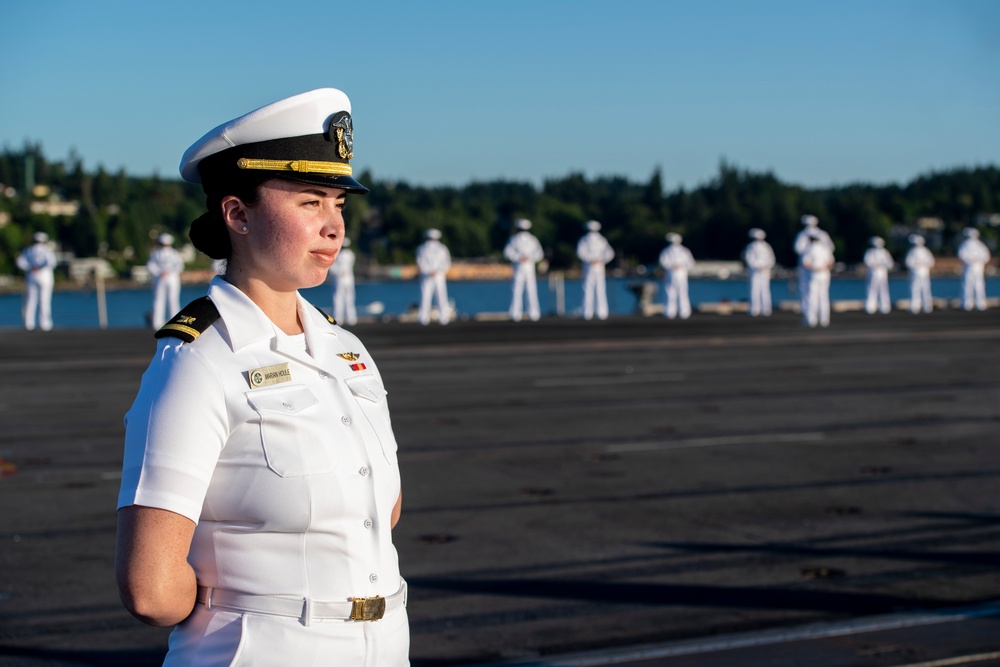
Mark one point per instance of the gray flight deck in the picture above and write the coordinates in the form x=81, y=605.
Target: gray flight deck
x=590, y=492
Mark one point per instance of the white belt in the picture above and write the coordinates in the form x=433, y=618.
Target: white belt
x=305, y=609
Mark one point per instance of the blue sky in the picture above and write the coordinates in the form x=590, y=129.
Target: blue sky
x=820, y=93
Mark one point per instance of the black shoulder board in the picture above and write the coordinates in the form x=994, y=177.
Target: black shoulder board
x=323, y=313
x=193, y=319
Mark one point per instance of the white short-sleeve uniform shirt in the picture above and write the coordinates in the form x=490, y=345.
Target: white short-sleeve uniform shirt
x=291, y=485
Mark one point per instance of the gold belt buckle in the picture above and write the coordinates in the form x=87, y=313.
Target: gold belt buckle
x=368, y=609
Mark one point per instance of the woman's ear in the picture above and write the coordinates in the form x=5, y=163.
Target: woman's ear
x=234, y=212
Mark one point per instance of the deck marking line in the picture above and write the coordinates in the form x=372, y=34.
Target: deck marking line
x=766, y=438
x=960, y=660
x=767, y=638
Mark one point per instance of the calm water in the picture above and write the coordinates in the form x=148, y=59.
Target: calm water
x=130, y=308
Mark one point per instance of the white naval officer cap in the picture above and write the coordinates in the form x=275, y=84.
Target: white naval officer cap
x=434, y=234
x=165, y=239
x=916, y=239
x=40, y=237
x=673, y=237
x=592, y=226
x=307, y=138
x=877, y=241
x=810, y=220
x=757, y=233
x=523, y=223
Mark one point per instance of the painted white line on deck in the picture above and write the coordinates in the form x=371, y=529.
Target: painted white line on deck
x=772, y=637
x=759, y=439
x=604, y=380
x=960, y=660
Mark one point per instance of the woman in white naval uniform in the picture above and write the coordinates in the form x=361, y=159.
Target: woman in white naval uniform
x=260, y=480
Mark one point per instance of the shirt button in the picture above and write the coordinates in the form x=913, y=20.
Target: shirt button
x=346, y=420
x=373, y=578
x=368, y=523
x=364, y=471
x=323, y=375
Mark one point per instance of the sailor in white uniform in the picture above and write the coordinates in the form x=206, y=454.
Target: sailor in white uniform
x=165, y=266
x=342, y=271
x=677, y=261
x=524, y=250
x=433, y=261
x=818, y=262
x=38, y=263
x=759, y=258
x=594, y=251
x=803, y=241
x=919, y=261
x=975, y=256
x=879, y=262
x=260, y=480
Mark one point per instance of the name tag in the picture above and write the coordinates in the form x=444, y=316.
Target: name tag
x=276, y=374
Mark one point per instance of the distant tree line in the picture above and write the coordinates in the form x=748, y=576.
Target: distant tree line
x=119, y=215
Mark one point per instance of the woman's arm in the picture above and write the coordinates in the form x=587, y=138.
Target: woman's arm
x=155, y=580
x=396, y=511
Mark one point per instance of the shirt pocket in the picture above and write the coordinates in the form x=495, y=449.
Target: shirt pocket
x=291, y=431
x=370, y=396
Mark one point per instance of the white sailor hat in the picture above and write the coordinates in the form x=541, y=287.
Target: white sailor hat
x=347, y=242
x=307, y=138
x=877, y=241
x=971, y=232
x=757, y=233
x=434, y=234
x=165, y=239
x=916, y=239
x=40, y=237
x=810, y=220
x=673, y=237
x=592, y=225
x=523, y=223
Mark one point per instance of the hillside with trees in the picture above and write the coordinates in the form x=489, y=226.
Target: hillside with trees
x=116, y=216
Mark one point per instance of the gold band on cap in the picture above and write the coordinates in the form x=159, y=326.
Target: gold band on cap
x=301, y=166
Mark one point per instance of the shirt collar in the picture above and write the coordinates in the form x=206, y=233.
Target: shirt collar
x=246, y=323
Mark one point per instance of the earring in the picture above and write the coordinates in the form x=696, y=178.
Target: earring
x=244, y=227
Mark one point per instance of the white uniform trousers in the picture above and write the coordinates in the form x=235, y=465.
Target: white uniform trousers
x=818, y=299
x=677, y=302
x=38, y=301
x=920, y=293
x=344, y=310
x=760, y=292
x=595, y=294
x=877, y=296
x=166, y=298
x=433, y=286
x=524, y=287
x=973, y=288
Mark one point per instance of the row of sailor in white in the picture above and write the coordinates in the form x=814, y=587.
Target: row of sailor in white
x=975, y=256
x=879, y=262
x=594, y=251
x=165, y=266
x=677, y=261
x=38, y=262
x=291, y=485
x=760, y=261
x=433, y=262
x=524, y=251
x=919, y=261
x=344, y=308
